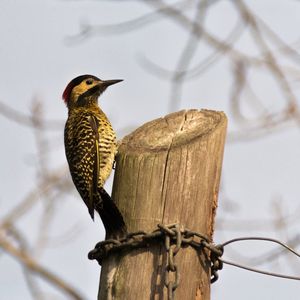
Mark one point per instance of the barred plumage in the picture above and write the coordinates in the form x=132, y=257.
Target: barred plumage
x=90, y=144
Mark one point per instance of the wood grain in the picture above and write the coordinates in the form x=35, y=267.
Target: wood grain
x=168, y=171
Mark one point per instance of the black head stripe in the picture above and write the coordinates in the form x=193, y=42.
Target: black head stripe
x=89, y=92
x=76, y=81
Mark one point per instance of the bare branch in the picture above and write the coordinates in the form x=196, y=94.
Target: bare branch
x=37, y=269
x=268, y=55
x=30, y=279
x=23, y=119
x=87, y=30
x=56, y=181
x=185, y=58
x=199, y=68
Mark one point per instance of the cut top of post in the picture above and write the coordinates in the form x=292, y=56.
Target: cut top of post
x=173, y=130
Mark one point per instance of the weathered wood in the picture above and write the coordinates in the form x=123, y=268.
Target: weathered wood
x=168, y=171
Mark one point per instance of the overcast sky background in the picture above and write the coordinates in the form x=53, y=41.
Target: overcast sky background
x=37, y=60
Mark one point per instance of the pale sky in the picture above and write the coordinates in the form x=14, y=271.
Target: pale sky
x=37, y=61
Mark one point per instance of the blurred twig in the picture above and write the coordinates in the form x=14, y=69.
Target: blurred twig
x=37, y=269
x=50, y=185
x=55, y=181
x=30, y=280
x=25, y=120
x=185, y=58
x=265, y=121
x=87, y=30
x=267, y=54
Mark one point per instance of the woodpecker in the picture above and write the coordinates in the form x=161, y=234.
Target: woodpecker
x=90, y=146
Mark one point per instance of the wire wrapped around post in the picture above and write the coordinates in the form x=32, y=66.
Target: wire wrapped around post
x=174, y=238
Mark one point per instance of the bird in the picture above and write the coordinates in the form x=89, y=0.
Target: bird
x=90, y=147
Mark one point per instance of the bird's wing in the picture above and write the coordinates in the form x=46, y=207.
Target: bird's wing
x=96, y=168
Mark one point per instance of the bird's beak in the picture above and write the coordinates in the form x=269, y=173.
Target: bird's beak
x=106, y=83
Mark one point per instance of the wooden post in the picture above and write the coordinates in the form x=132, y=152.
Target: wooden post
x=168, y=171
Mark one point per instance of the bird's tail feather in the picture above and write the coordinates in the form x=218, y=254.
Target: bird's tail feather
x=111, y=217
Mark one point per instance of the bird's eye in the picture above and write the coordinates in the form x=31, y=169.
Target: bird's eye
x=89, y=81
